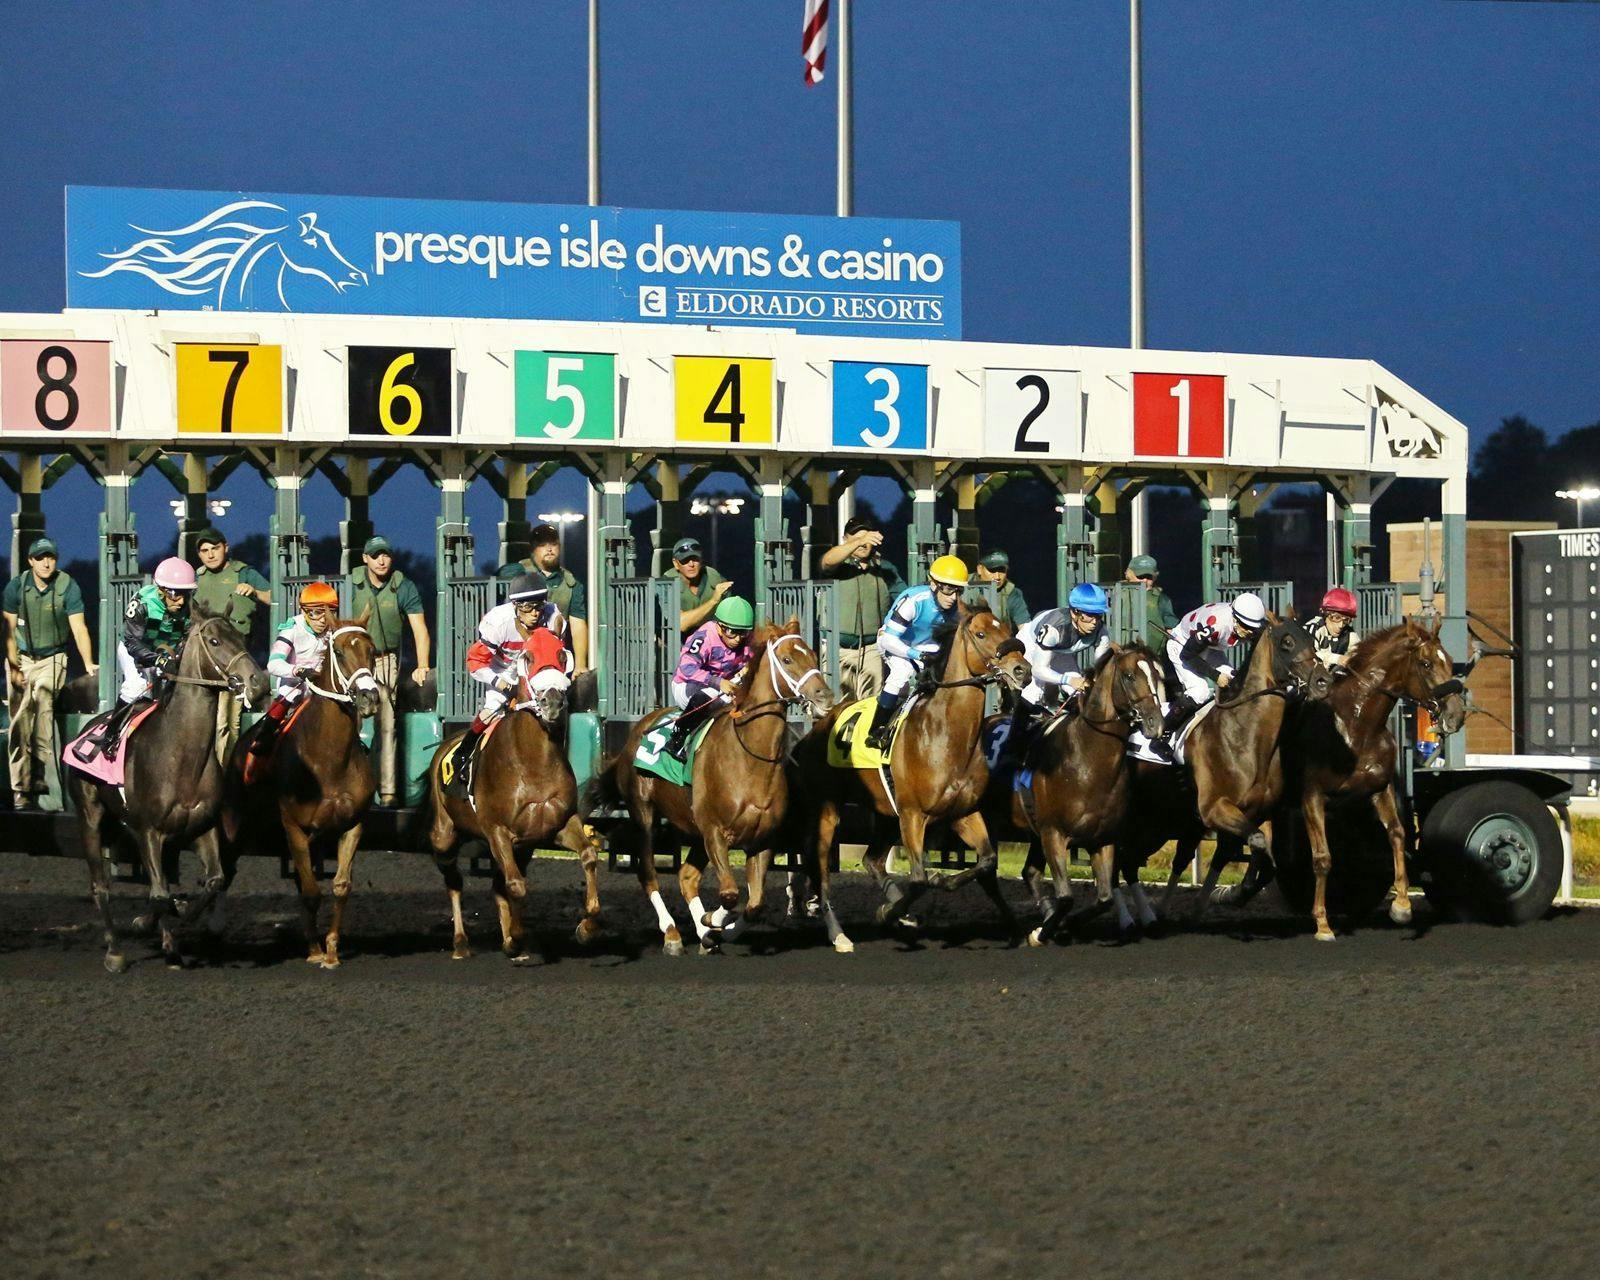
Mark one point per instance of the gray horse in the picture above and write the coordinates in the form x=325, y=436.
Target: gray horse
x=172, y=783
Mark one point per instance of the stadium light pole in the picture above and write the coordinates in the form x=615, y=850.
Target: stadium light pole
x=561, y=519
x=1138, y=509
x=1586, y=493
x=846, y=202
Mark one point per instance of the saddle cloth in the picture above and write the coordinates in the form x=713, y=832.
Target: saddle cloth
x=100, y=766
x=256, y=764
x=652, y=758
x=1139, y=745
x=847, y=743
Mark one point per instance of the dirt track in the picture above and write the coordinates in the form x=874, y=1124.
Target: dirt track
x=1231, y=1101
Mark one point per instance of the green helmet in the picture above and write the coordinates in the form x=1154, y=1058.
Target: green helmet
x=735, y=612
x=1141, y=565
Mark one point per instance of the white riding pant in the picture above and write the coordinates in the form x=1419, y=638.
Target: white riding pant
x=134, y=686
x=1040, y=694
x=495, y=700
x=899, y=672
x=1195, y=685
x=683, y=691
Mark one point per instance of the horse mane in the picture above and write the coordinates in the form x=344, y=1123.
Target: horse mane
x=761, y=636
x=1362, y=657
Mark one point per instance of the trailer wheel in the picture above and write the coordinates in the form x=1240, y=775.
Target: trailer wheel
x=1363, y=870
x=1493, y=852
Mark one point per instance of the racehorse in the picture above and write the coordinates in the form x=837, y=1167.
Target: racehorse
x=218, y=253
x=1233, y=763
x=317, y=784
x=937, y=769
x=523, y=791
x=1079, y=792
x=738, y=794
x=1342, y=749
x=172, y=784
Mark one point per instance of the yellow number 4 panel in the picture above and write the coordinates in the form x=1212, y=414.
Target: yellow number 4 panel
x=725, y=399
x=230, y=389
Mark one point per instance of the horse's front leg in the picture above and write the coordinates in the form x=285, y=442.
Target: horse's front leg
x=343, y=882
x=90, y=812
x=902, y=892
x=1055, y=847
x=691, y=871
x=755, y=882
x=818, y=867
x=1388, y=811
x=1314, y=807
x=1036, y=877
x=975, y=832
x=1188, y=847
x=579, y=839
x=510, y=887
x=644, y=861
x=163, y=911
x=310, y=891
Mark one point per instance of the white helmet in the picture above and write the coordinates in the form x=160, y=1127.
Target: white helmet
x=1248, y=609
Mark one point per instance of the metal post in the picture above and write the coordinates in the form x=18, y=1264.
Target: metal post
x=290, y=555
x=1454, y=632
x=28, y=522
x=594, y=101
x=1138, y=514
x=924, y=544
x=847, y=156
x=119, y=559
x=356, y=527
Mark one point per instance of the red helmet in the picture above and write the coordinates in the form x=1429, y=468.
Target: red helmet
x=1340, y=600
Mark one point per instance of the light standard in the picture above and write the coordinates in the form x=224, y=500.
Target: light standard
x=1588, y=493
x=218, y=507
x=561, y=519
x=714, y=505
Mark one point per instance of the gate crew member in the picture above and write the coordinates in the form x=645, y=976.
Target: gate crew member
x=1204, y=645
x=43, y=607
x=493, y=660
x=1010, y=607
x=153, y=628
x=1063, y=647
x=709, y=668
x=701, y=587
x=566, y=588
x=913, y=633
x=295, y=654
x=392, y=603
x=1160, y=616
x=1333, y=629
x=867, y=587
x=228, y=588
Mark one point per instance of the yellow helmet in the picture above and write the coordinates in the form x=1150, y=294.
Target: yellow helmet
x=950, y=570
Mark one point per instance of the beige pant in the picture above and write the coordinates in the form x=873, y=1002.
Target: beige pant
x=227, y=729
x=860, y=672
x=386, y=670
x=31, y=743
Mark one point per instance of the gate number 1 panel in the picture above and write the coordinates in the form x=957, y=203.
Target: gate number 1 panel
x=1032, y=412
x=55, y=386
x=401, y=391
x=230, y=389
x=880, y=406
x=1179, y=415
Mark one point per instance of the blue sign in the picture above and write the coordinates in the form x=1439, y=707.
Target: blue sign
x=135, y=249
x=880, y=406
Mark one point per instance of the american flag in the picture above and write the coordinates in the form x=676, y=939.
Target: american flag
x=814, y=40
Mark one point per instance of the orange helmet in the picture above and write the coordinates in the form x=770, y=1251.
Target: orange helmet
x=318, y=593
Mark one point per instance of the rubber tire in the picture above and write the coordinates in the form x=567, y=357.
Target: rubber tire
x=1363, y=870
x=1460, y=885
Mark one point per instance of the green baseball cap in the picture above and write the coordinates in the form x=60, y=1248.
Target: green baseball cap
x=1141, y=565
x=377, y=546
x=42, y=547
x=996, y=560
x=687, y=548
x=210, y=534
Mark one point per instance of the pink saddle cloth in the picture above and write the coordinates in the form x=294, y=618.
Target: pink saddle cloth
x=103, y=767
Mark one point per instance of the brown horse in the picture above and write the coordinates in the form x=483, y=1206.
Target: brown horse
x=523, y=792
x=1342, y=749
x=739, y=792
x=172, y=784
x=318, y=784
x=1080, y=790
x=1233, y=775
x=938, y=771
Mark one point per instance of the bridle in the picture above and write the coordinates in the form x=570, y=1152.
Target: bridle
x=786, y=686
x=361, y=679
x=1129, y=715
x=993, y=672
x=225, y=678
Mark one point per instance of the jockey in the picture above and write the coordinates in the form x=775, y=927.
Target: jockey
x=153, y=629
x=296, y=653
x=1202, y=647
x=1063, y=647
x=912, y=633
x=495, y=656
x=713, y=659
x=1333, y=631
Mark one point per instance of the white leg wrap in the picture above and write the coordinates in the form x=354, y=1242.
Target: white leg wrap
x=719, y=917
x=663, y=916
x=1147, y=913
x=697, y=912
x=1124, y=920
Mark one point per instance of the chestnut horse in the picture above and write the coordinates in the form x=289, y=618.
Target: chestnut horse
x=523, y=793
x=318, y=785
x=1079, y=795
x=938, y=770
x=172, y=783
x=1342, y=749
x=738, y=794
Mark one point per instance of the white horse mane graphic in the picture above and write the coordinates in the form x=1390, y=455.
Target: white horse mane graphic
x=219, y=252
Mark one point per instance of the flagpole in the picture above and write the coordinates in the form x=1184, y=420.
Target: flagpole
x=847, y=163
x=1138, y=509
x=594, y=101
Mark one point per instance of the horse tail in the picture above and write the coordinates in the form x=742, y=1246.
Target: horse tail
x=603, y=791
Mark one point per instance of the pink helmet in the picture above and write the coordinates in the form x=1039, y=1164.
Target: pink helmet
x=1339, y=600
x=176, y=575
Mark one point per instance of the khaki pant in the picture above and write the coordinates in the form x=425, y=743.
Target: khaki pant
x=31, y=743
x=860, y=672
x=227, y=729
x=386, y=670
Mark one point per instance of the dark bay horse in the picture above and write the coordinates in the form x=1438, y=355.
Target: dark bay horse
x=739, y=793
x=1342, y=749
x=523, y=793
x=1233, y=773
x=938, y=770
x=318, y=785
x=172, y=783
x=1080, y=790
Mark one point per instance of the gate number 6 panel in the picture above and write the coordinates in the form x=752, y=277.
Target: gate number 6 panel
x=401, y=391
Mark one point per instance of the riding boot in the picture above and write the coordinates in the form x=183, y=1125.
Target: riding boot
x=1017, y=739
x=464, y=758
x=882, y=719
x=110, y=736
x=1183, y=706
x=683, y=728
x=272, y=721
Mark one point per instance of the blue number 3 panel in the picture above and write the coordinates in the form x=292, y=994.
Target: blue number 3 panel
x=880, y=406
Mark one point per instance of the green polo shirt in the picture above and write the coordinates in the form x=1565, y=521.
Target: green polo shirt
x=1009, y=604
x=42, y=613
x=865, y=593
x=1160, y=617
x=692, y=597
x=216, y=592
x=391, y=604
x=566, y=588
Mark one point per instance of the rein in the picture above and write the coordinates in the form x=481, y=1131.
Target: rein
x=337, y=673
x=227, y=681
x=743, y=715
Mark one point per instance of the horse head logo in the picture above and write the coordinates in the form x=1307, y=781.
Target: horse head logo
x=218, y=254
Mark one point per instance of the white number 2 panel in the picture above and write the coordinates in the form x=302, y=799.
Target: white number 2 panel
x=1032, y=413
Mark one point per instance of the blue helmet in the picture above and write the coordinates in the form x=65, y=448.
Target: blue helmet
x=1088, y=598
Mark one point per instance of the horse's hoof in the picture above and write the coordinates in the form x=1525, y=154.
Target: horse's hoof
x=316, y=958
x=1224, y=893
x=522, y=958
x=672, y=947
x=1325, y=935
x=881, y=915
x=462, y=952
x=330, y=961
x=710, y=948
x=116, y=963
x=174, y=960
x=909, y=923
x=145, y=923
x=1036, y=937
x=586, y=934
x=1400, y=912
x=843, y=945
